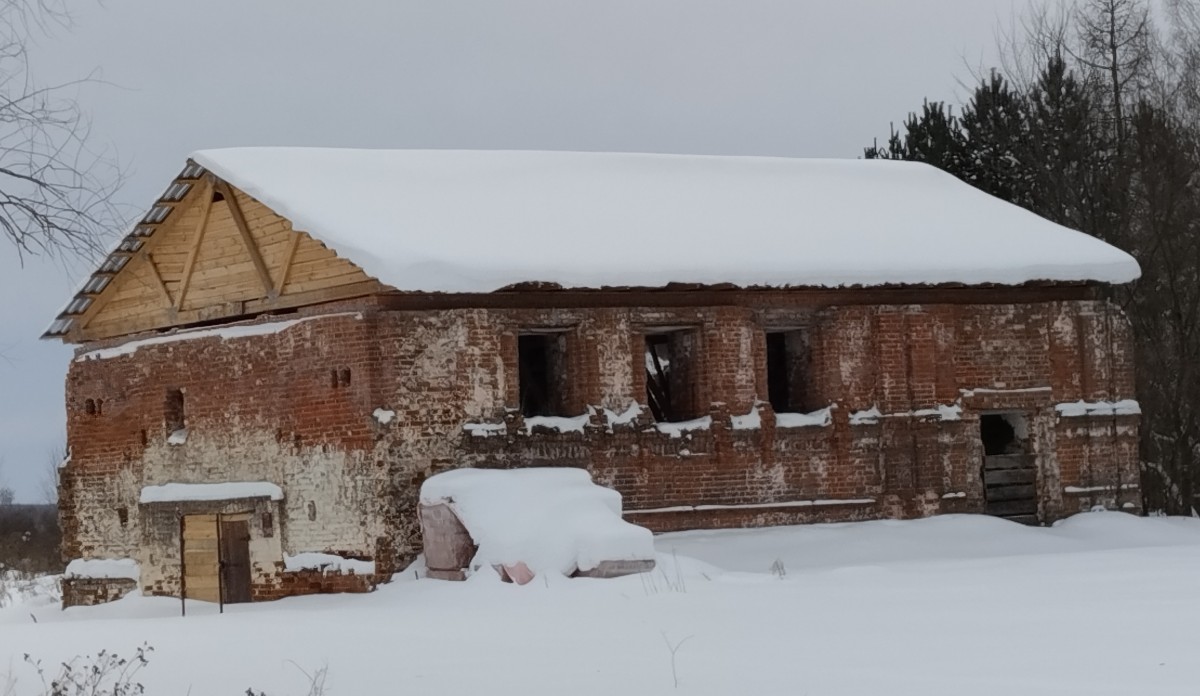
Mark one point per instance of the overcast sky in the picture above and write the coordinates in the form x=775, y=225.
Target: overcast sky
x=804, y=78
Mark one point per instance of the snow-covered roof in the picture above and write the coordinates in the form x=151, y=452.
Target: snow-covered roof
x=478, y=221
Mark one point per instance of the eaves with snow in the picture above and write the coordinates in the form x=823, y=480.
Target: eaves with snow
x=456, y=221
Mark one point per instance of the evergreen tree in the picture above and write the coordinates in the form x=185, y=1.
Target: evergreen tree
x=994, y=138
x=934, y=136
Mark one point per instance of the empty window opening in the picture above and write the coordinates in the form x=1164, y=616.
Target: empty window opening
x=89, y=407
x=339, y=378
x=174, y=416
x=312, y=510
x=671, y=375
x=99, y=407
x=123, y=516
x=788, y=371
x=542, y=374
x=1001, y=433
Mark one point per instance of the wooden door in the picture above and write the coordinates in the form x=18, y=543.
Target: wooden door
x=1009, y=467
x=1010, y=487
x=235, y=560
x=200, y=558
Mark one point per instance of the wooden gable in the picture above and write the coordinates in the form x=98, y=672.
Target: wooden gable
x=215, y=253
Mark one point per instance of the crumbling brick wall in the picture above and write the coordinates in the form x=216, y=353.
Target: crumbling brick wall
x=85, y=592
x=295, y=407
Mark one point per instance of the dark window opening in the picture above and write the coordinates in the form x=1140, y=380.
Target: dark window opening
x=788, y=371
x=89, y=407
x=312, y=510
x=671, y=376
x=268, y=524
x=123, y=516
x=542, y=374
x=218, y=197
x=173, y=411
x=339, y=378
x=99, y=407
x=998, y=435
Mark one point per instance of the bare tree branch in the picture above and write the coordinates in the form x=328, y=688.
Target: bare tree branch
x=56, y=187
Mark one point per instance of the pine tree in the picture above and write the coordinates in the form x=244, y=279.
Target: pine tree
x=934, y=137
x=994, y=137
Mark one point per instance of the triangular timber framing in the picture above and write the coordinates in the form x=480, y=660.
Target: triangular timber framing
x=206, y=251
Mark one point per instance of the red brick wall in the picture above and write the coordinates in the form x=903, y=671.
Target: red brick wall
x=85, y=592
x=267, y=408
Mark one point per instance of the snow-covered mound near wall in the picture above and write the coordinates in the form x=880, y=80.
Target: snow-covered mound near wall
x=550, y=519
x=477, y=221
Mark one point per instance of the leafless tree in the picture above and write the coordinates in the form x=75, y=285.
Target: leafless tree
x=1107, y=131
x=1115, y=39
x=56, y=188
x=49, y=479
x=7, y=495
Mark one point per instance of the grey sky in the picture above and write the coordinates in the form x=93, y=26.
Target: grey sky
x=768, y=77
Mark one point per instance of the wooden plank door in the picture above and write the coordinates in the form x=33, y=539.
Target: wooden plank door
x=235, y=560
x=200, y=558
x=1010, y=487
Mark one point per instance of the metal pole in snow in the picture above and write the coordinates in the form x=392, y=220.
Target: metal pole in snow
x=220, y=571
x=182, y=572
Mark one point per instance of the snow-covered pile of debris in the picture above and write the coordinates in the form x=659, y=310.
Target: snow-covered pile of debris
x=550, y=520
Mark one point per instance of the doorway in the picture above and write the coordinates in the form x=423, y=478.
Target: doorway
x=216, y=558
x=1009, y=468
x=235, y=560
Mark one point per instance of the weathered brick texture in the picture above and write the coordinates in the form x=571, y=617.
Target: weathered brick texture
x=85, y=592
x=295, y=408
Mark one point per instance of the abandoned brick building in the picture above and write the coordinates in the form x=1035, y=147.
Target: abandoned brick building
x=291, y=340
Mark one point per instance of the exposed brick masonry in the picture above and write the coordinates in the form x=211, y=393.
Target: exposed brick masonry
x=295, y=408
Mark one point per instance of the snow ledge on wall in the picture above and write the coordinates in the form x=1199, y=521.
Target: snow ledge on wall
x=224, y=333
x=1125, y=407
x=326, y=563
x=103, y=568
x=233, y=490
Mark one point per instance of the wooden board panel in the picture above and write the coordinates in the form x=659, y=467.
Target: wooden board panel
x=1010, y=489
x=1005, y=493
x=223, y=278
x=200, y=557
x=1006, y=477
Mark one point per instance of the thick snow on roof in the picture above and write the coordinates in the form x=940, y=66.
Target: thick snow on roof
x=477, y=221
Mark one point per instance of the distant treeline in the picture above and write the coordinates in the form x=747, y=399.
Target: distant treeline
x=30, y=538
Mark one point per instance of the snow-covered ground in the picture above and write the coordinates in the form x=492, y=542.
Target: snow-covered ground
x=1103, y=603
x=25, y=590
